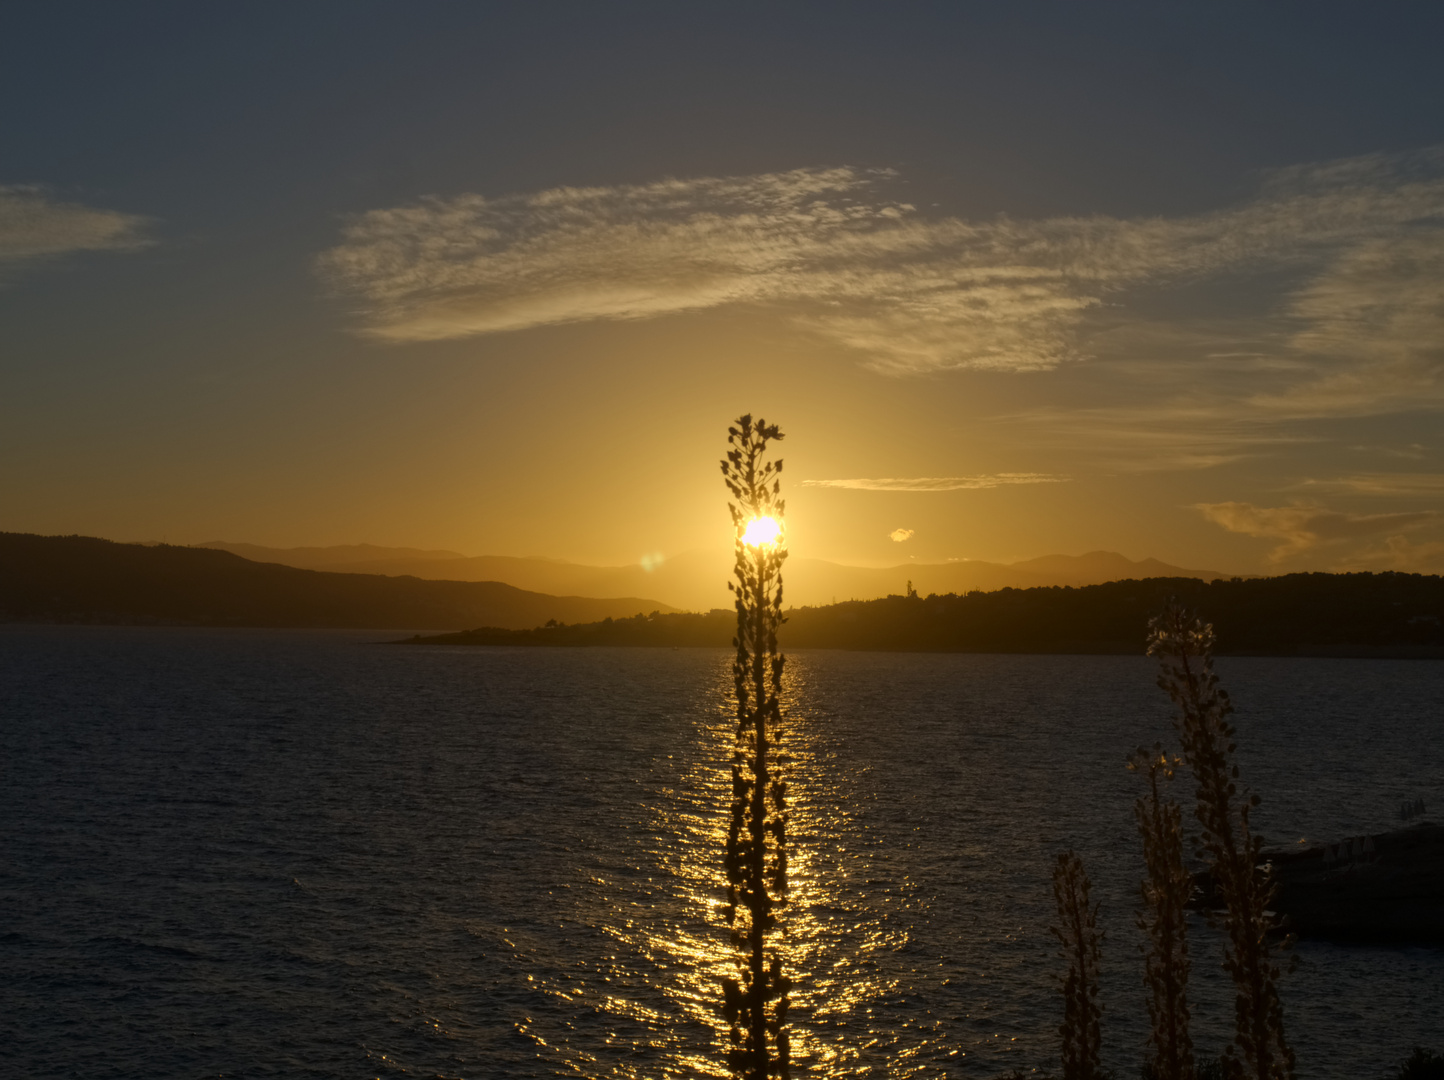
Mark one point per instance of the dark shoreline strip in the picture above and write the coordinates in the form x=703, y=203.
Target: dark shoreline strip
x=1363, y=616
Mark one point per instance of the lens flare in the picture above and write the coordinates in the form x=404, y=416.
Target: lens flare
x=761, y=531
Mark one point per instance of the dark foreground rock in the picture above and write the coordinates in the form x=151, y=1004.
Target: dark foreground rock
x=1386, y=888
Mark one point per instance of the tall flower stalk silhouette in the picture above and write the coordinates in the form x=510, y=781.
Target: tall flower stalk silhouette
x=1184, y=647
x=1166, y=891
x=1077, y=931
x=756, y=1001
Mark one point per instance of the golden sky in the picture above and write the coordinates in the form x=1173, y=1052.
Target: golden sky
x=1012, y=284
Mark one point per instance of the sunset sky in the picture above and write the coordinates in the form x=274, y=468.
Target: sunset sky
x=1015, y=279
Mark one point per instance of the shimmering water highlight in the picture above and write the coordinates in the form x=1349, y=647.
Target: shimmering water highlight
x=299, y=854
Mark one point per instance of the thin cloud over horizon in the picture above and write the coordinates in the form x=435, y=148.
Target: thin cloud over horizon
x=938, y=483
x=1426, y=485
x=1303, y=526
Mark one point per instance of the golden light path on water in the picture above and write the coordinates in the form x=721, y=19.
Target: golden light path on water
x=506, y=864
x=930, y=797
x=837, y=924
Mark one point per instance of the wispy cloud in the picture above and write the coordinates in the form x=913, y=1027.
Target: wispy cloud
x=842, y=254
x=1428, y=485
x=900, y=536
x=1397, y=553
x=1167, y=437
x=33, y=225
x=1374, y=322
x=1306, y=525
x=938, y=483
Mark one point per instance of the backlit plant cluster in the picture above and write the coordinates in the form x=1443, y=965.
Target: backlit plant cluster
x=1184, y=647
x=1233, y=856
x=1077, y=931
x=1167, y=887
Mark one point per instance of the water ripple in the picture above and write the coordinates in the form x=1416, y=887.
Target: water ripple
x=297, y=854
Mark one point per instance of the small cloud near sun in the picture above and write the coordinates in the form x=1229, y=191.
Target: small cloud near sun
x=653, y=561
x=899, y=535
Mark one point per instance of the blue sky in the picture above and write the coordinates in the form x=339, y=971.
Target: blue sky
x=1016, y=279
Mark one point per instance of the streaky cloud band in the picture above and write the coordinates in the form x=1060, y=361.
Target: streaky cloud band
x=1353, y=246
x=939, y=483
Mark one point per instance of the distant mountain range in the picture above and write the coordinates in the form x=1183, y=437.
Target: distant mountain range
x=84, y=579
x=696, y=581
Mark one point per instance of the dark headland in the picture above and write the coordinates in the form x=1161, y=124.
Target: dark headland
x=1342, y=615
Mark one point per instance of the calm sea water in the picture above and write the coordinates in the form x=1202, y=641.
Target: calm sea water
x=256, y=854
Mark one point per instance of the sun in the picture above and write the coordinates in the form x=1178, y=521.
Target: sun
x=761, y=532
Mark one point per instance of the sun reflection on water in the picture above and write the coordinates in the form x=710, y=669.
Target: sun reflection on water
x=658, y=995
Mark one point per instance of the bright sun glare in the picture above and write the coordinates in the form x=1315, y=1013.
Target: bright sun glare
x=763, y=530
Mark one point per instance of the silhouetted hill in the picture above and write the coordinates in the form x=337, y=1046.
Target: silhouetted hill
x=83, y=579
x=345, y=557
x=1099, y=567
x=813, y=582
x=1294, y=615
x=697, y=580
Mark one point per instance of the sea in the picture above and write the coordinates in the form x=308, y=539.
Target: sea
x=259, y=853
